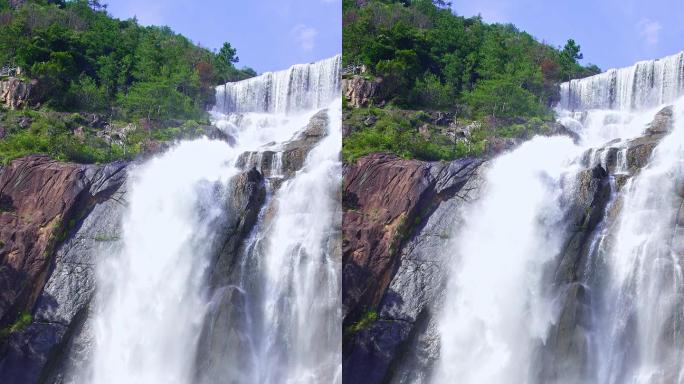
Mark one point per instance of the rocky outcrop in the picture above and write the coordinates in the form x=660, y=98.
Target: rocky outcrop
x=246, y=198
x=290, y=159
x=41, y=200
x=45, y=202
x=57, y=340
x=563, y=355
x=15, y=93
x=395, y=225
x=383, y=197
x=361, y=92
x=235, y=275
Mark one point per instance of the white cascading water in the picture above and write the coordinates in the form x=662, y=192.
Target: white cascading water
x=497, y=302
x=153, y=294
x=499, y=306
x=301, y=283
x=302, y=87
x=645, y=84
x=642, y=313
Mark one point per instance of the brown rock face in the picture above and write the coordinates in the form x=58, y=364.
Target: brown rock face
x=360, y=92
x=14, y=93
x=380, y=194
x=40, y=200
x=383, y=197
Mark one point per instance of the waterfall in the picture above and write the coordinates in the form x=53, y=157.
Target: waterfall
x=301, y=312
x=152, y=291
x=156, y=308
x=645, y=84
x=302, y=87
x=497, y=300
x=641, y=310
x=506, y=306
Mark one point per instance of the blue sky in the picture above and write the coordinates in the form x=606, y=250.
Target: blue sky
x=268, y=34
x=274, y=34
x=612, y=33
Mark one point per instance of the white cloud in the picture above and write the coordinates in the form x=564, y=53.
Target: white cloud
x=305, y=36
x=649, y=30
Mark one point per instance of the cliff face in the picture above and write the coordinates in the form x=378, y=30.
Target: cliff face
x=41, y=200
x=44, y=204
x=397, y=217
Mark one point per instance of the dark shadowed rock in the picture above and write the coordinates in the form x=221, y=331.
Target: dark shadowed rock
x=223, y=339
x=245, y=199
x=564, y=354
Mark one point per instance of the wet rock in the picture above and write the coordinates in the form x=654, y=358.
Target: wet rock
x=564, y=354
x=636, y=152
x=215, y=133
x=223, y=339
x=662, y=122
x=294, y=152
x=244, y=201
x=558, y=129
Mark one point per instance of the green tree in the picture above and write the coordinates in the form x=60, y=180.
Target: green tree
x=571, y=50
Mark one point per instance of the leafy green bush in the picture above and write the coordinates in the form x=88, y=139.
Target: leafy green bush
x=23, y=320
x=396, y=132
x=432, y=58
x=86, y=60
x=366, y=321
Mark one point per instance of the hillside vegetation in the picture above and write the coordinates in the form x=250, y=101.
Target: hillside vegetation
x=83, y=60
x=431, y=59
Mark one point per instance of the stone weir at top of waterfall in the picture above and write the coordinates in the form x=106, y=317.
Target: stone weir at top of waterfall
x=215, y=261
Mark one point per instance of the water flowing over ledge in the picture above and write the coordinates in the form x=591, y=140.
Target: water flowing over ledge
x=299, y=88
x=643, y=85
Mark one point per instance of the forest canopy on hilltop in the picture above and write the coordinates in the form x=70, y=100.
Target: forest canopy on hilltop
x=85, y=60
